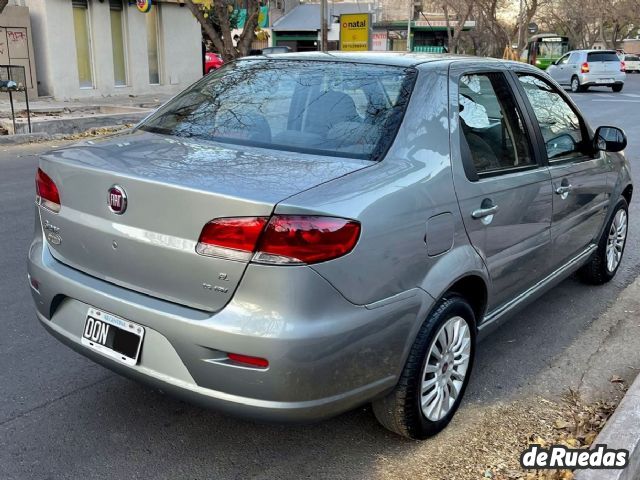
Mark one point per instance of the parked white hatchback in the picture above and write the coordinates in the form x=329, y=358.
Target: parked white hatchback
x=581, y=69
x=632, y=63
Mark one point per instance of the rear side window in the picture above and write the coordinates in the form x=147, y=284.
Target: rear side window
x=329, y=108
x=492, y=124
x=603, y=57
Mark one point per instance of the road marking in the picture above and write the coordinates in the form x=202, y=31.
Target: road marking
x=613, y=100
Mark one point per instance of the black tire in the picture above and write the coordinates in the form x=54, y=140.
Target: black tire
x=575, y=85
x=595, y=272
x=400, y=411
x=617, y=88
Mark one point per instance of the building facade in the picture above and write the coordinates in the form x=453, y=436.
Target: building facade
x=16, y=48
x=422, y=22
x=299, y=29
x=95, y=48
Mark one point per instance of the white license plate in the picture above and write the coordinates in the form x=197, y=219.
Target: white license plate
x=113, y=336
x=604, y=80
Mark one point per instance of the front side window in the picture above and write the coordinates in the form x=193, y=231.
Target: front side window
x=563, y=60
x=331, y=108
x=492, y=124
x=561, y=127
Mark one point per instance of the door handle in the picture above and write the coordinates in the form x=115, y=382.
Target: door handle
x=485, y=212
x=564, y=189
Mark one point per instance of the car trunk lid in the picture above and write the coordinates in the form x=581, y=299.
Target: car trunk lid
x=173, y=187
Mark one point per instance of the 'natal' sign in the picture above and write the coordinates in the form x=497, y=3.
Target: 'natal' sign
x=354, y=31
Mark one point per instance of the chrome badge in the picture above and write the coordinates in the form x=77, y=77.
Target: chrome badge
x=117, y=200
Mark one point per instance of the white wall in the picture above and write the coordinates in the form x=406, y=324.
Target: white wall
x=179, y=45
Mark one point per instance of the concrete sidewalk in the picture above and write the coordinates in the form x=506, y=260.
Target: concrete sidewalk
x=52, y=117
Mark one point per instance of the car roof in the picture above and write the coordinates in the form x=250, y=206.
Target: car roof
x=593, y=50
x=399, y=59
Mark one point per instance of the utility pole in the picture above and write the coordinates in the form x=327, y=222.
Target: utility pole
x=323, y=26
x=409, y=25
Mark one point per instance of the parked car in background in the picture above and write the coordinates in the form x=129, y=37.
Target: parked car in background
x=212, y=61
x=296, y=235
x=632, y=63
x=270, y=50
x=581, y=69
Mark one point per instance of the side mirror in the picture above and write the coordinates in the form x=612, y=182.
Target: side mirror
x=609, y=139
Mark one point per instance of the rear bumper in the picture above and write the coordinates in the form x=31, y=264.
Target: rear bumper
x=602, y=80
x=326, y=355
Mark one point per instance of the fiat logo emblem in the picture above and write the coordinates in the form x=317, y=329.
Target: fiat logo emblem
x=117, y=200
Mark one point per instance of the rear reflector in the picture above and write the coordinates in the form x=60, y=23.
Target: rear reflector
x=280, y=240
x=47, y=192
x=293, y=239
x=233, y=237
x=248, y=360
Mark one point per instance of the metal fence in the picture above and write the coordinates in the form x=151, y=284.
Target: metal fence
x=13, y=79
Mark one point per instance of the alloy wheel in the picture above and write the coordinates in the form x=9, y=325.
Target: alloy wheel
x=575, y=85
x=616, y=240
x=445, y=368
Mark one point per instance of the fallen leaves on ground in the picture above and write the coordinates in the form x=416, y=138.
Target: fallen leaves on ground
x=487, y=441
x=96, y=132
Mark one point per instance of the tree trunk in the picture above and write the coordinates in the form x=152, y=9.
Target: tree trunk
x=457, y=31
x=222, y=38
x=449, y=37
x=249, y=31
x=206, y=26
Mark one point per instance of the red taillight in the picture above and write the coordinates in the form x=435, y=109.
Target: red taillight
x=248, y=360
x=47, y=192
x=291, y=239
x=623, y=66
x=233, y=237
x=281, y=240
x=584, y=68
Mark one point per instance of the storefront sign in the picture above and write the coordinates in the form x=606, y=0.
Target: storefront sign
x=354, y=31
x=143, y=5
x=379, y=41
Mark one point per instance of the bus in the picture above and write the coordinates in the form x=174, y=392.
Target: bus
x=542, y=50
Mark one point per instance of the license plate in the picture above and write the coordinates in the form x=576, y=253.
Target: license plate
x=113, y=336
x=605, y=80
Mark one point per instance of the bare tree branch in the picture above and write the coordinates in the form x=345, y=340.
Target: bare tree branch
x=219, y=26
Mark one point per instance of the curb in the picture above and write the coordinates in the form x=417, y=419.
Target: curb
x=622, y=430
x=22, y=138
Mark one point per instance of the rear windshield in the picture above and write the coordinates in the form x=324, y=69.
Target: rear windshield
x=330, y=108
x=603, y=57
x=632, y=58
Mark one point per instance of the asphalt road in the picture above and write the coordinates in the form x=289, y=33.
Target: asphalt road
x=62, y=416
